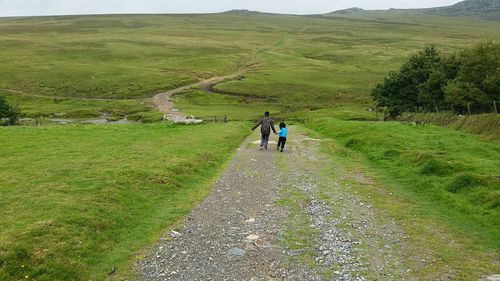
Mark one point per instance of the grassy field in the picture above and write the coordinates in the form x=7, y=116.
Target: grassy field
x=450, y=176
x=82, y=200
x=62, y=107
x=203, y=104
x=78, y=201
x=301, y=62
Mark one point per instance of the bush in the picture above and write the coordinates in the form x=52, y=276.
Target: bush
x=401, y=91
x=9, y=115
x=428, y=81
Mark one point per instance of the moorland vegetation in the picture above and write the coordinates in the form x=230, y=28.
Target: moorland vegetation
x=79, y=202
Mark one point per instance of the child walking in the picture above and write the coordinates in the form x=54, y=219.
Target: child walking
x=283, y=133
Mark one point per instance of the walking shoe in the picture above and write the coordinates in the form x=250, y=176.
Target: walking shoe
x=282, y=150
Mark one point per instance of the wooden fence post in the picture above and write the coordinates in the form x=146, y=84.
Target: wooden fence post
x=495, y=106
x=468, y=108
x=436, y=107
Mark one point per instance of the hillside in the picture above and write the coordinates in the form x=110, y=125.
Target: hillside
x=489, y=9
x=484, y=9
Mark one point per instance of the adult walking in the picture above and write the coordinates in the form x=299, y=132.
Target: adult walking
x=266, y=124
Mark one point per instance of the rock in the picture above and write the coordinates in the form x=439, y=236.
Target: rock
x=253, y=237
x=175, y=234
x=250, y=220
x=237, y=252
x=494, y=277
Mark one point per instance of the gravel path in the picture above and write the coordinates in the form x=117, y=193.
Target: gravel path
x=280, y=216
x=350, y=241
x=163, y=102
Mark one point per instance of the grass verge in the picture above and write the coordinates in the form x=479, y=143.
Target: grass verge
x=487, y=125
x=450, y=235
x=78, y=201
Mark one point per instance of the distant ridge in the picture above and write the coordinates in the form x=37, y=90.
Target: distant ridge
x=244, y=12
x=479, y=8
x=485, y=9
x=349, y=11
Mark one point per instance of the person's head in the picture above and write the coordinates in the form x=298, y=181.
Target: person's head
x=266, y=113
x=282, y=124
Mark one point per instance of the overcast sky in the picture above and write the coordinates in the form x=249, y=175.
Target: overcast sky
x=66, y=7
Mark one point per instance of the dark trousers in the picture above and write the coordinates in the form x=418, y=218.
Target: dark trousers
x=264, y=140
x=282, y=142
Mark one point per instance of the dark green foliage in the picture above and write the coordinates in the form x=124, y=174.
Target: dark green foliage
x=402, y=90
x=9, y=115
x=353, y=143
x=463, y=183
x=477, y=80
x=428, y=81
x=434, y=167
x=391, y=153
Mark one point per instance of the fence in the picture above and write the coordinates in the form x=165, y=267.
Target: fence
x=222, y=118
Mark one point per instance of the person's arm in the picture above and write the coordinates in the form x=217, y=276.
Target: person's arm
x=257, y=125
x=272, y=126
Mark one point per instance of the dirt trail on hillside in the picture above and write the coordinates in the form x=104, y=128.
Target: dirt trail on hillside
x=164, y=103
x=281, y=216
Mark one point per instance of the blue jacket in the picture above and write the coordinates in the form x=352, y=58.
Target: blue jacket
x=283, y=132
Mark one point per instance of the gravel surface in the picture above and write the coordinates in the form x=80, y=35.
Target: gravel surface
x=351, y=242
x=232, y=235
x=237, y=233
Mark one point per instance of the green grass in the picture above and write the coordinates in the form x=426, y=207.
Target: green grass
x=78, y=201
x=35, y=106
x=449, y=175
x=336, y=61
x=301, y=61
x=205, y=105
x=487, y=125
x=430, y=235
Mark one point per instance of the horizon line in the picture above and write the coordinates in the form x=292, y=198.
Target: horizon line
x=204, y=13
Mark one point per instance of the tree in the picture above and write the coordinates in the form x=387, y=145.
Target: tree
x=428, y=81
x=478, y=79
x=408, y=88
x=9, y=115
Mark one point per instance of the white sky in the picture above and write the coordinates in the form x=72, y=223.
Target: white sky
x=66, y=7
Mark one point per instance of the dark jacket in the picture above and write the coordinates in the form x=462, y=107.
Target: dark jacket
x=266, y=124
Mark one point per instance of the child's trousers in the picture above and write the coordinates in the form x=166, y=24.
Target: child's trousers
x=282, y=142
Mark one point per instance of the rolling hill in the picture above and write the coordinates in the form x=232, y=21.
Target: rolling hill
x=484, y=9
